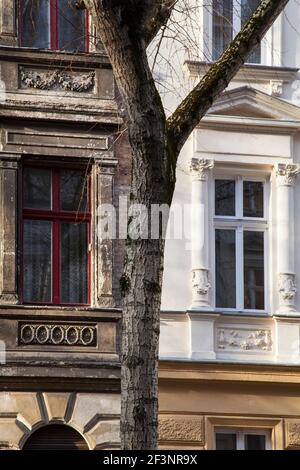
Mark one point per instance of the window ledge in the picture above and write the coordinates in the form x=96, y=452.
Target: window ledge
x=250, y=72
x=42, y=311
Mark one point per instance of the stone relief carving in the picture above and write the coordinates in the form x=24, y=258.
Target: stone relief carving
x=276, y=87
x=287, y=288
x=200, y=167
x=286, y=173
x=57, y=334
x=181, y=428
x=244, y=339
x=57, y=80
x=200, y=281
x=293, y=435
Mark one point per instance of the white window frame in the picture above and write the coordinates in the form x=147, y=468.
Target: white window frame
x=206, y=46
x=240, y=435
x=241, y=224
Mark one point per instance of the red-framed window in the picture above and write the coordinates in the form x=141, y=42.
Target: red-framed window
x=56, y=236
x=53, y=24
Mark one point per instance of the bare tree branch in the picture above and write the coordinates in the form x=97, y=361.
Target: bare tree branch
x=199, y=100
x=160, y=18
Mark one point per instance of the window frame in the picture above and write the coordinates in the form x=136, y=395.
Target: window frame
x=207, y=16
x=241, y=433
x=56, y=216
x=239, y=223
x=53, y=29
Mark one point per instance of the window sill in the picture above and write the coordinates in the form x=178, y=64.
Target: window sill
x=43, y=311
x=243, y=313
x=52, y=57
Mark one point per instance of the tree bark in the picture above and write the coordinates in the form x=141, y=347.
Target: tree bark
x=125, y=30
x=152, y=182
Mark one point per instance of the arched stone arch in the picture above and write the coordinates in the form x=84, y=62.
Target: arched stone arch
x=94, y=416
x=55, y=436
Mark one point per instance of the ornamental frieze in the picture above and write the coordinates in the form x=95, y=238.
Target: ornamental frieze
x=231, y=339
x=57, y=334
x=57, y=80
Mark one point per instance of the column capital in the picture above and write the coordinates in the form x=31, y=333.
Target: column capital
x=286, y=173
x=200, y=168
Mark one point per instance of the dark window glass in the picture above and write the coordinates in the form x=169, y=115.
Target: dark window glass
x=35, y=23
x=73, y=263
x=253, y=196
x=255, y=442
x=73, y=191
x=37, y=188
x=225, y=197
x=37, y=261
x=222, y=26
x=71, y=26
x=225, y=441
x=225, y=269
x=254, y=270
x=247, y=8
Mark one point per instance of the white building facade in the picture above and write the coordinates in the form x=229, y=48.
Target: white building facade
x=231, y=302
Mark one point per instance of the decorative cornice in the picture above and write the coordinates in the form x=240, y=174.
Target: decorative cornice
x=286, y=174
x=200, y=167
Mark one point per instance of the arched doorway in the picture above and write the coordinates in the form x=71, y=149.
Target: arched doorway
x=55, y=437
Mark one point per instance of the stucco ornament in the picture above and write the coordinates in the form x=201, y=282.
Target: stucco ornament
x=57, y=80
x=244, y=339
x=287, y=287
x=286, y=173
x=200, y=167
x=200, y=281
x=57, y=334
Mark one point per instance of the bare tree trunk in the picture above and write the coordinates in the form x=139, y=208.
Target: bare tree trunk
x=125, y=28
x=152, y=183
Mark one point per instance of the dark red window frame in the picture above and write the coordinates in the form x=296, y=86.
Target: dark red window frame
x=56, y=216
x=53, y=27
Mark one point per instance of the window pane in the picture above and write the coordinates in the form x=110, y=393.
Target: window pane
x=225, y=441
x=254, y=270
x=37, y=261
x=225, y=269
x=74, y=263
x=73, y=191
x=71, y=26
x=225, y=197
x=222, y=26
x=37, y=188
x=253, y=199
x=247, y=8
x=35, y=23
x=255, y=442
